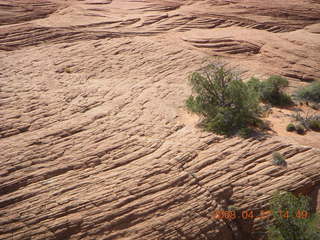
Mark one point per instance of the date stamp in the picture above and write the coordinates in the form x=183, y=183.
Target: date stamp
x=263, y=214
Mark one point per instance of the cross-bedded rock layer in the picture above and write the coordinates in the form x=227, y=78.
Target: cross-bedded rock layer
x=95, y=142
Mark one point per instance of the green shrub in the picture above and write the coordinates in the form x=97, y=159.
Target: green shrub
x=255, y=84
x=226, y=103
x=291, y=127
x=314, y=125
x=271, y=90
x=284, y=100
x=310, y=93
x=292, y=218
x=278, y=159
x=300, y=129
x=245, y=132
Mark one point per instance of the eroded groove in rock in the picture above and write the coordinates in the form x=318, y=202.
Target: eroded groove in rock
x=12, y=12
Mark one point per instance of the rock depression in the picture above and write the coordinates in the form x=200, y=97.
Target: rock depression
x=95, y=140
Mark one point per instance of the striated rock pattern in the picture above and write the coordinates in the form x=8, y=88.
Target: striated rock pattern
x=95, y=141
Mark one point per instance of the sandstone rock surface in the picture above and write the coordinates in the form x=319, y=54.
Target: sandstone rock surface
x=95, y=141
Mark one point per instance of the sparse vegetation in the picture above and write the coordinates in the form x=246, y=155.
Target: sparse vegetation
x=271, y=90
x=292, y=218
x=314, y=125
x=308, y=121
x=278, y=159
x=291, y=127
x=229, y=106
x=226, y=103
x=310, y=93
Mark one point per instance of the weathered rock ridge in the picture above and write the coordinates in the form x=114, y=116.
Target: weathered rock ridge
x=95, y=141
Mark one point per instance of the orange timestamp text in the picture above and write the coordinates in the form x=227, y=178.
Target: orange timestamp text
x=263, y=214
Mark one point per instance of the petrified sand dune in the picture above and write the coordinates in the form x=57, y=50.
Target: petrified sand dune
x=95, y=141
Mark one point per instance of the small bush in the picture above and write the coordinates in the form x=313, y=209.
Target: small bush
x=314, y=125
x=224, y=101
x=300, y=129
x=278, y=159
x=310, y=93
x=271, y=90
x=291, y=127
x=286, y=223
